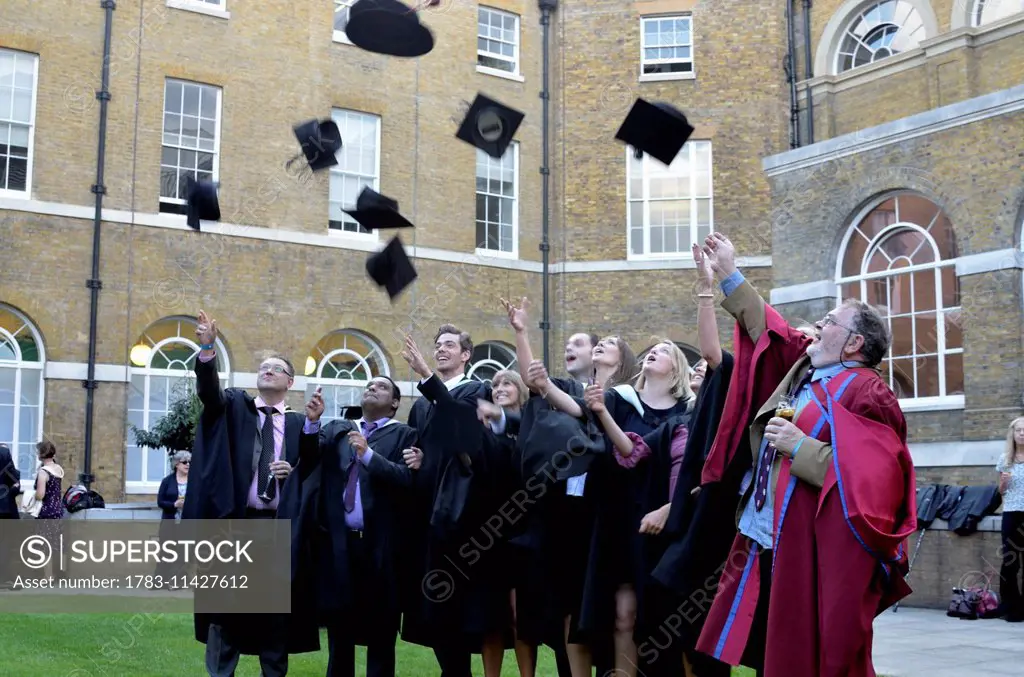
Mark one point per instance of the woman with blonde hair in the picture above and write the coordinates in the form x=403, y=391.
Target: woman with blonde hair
x=1011, y=486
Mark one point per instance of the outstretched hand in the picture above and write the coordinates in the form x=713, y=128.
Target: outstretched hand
x=517, y=315
x=721, y=255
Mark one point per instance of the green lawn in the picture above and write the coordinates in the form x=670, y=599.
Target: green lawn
x=125, y=645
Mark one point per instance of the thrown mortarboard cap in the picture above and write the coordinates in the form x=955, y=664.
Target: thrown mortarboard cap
x=489, y=126
x=658, y=129
x=320, y=141
x=391, y=268
x=201, y=199
x=388, y=27
x=374, y=211
x=352, y=412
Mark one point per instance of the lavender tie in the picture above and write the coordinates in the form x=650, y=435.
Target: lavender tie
x=353, y=473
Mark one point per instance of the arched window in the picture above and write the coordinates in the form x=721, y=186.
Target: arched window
x=879, y=30
x=162, y=372
x=989, y=11
x=900, y=255
x=489, y=358
x=342, y=363
x=21, y=387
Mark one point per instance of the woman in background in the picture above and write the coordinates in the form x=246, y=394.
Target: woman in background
x=48, y=491
x=1011, y=486
x=171, y=498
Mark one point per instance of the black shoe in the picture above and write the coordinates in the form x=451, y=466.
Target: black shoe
x=1015, y=618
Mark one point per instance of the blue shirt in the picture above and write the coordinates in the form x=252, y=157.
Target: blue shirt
x=757, y=524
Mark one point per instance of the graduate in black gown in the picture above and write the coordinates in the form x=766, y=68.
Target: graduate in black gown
x=356, y=491
x=452, y=602
x=241, y=443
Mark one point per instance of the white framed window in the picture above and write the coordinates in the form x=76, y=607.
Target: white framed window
x=342, y=10
x=358, y=166
x=489, y=358
x=879, y=30
x=497, y=42
x=669, y=207
x=666, y=47
x=191, y=140
x=497, y=203
x=217, y=8
x=989, y=11
x=19, y=77
x=900, y=255
x=21, y=388
x=162, y=372
x=342, y=363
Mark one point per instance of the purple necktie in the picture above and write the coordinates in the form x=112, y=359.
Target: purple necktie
x=769, y=451
x=353, y=472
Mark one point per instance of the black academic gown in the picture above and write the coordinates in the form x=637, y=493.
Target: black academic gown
x=450, y=594
x=218, y=488
x=695, y=542
x=10, y=487
x=320, y=533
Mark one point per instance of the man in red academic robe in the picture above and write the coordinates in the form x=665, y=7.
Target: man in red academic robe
x=829, y=501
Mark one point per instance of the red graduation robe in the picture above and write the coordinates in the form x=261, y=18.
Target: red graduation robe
x=759, y=368
x=840, y=556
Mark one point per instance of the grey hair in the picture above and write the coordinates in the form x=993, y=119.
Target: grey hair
x=181, y=456
x=871, y=324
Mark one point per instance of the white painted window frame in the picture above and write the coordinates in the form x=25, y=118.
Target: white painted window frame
x=499, y=357
x=27, y=193
x=908, y=404
x=147, y=372
x=516, y=61
x=376, y=354
x=218, y=9
x=34, y=370
x=341, y=36
x=661, y=77
x=646, y=255
x=337, y=114
x=216, y=133
x=498, y=253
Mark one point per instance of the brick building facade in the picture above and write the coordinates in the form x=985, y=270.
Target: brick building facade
x=213, y=87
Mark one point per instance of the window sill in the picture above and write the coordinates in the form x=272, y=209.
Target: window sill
x=922, y=404
x=666, y=77
x=341, y=38
x=349, y=235
x=198, y=8
x=671, y=256
x=496, y=254
x=141, y=487
x=500, y=74
x=15, y=194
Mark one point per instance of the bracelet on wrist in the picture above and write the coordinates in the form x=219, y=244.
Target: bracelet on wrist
x=207, y=346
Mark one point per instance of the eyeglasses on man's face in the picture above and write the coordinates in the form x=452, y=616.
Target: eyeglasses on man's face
x=273, y=368
x=829, y=319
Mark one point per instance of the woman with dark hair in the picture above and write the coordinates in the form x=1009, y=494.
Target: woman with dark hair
x=48, y=491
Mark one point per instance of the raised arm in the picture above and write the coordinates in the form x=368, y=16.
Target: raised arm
x=552, y=393
x=518, y=319
x=741, y=300
x=207, y=382
x=707, y=324
x=595, y=399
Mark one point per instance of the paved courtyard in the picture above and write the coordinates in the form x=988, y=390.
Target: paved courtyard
x=926, y=643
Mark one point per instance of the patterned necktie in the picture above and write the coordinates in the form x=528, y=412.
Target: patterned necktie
x=266, y=489
x=768, y=455
x=353, y=471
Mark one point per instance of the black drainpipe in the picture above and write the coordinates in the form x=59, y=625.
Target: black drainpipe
x=790, y=68
x=94, y=284
x=546, y=8
x=808, y=69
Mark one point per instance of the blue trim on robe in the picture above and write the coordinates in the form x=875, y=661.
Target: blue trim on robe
x=751, y=558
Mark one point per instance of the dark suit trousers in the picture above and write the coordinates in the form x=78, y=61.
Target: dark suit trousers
x=380, y=648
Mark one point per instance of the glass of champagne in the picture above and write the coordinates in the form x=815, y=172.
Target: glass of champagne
x=786, y=408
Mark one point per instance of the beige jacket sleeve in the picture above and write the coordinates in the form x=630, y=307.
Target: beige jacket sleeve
x=747, y=306
x=812, y=460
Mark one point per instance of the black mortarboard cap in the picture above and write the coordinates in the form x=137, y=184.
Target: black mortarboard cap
x=374, y=211
x=388, y=27
x=658, y=129
x=320, y=141
x=489, y=126
x=201, y=198
x=391, y=268
x=352, y=412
